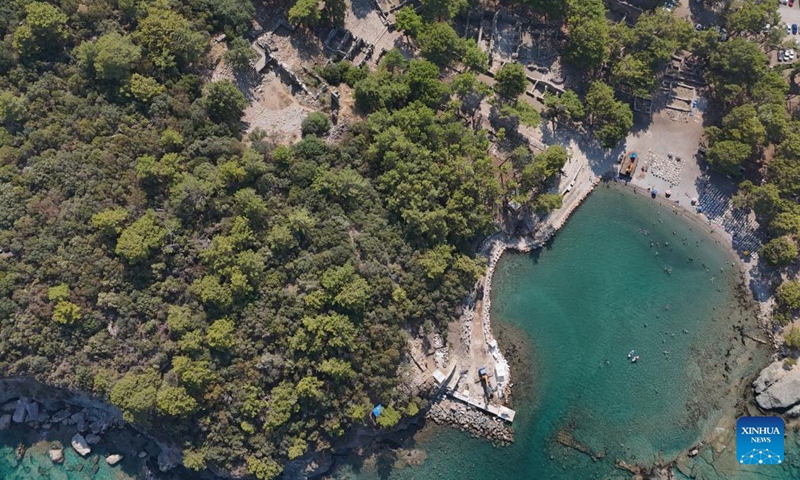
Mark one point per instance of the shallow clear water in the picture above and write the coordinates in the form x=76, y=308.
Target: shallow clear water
x=36, y=464
x=625, y=273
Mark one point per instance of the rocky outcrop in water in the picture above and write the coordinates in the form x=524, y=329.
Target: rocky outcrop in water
x=56, y=455
x=777, y=388
x=80, y=445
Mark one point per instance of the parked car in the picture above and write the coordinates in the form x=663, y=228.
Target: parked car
x=781, y=56
x=789, y=55
x=698, y=27
x=794, y=29
x=791, y=3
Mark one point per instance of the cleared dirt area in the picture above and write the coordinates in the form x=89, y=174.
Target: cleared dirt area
x=274, y=110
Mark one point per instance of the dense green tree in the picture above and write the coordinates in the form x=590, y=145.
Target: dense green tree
x=66, y=312
x=316, y=123
x=110, y=221
x=473, y=57
x=788, y=295
x=220, y=334
x=786, y=223
x=144, y=89
x=547, y=202
x=635, y=73
x=511, y=80
x=588, y=37
x=439, y=43
x=792, y=338
x=233, y=16
x=727, y=156
x=223, y=101
x=12, y=109
x=750, y=16
x=780, y=251
x=610, y=118
x=44, y=30
x=566, y=107
x=742, y=124
x=116, y=56
x=305, y=13
x=735, y=67
x=135, y=394
x=657, y=35
x=174, y=401
x=240, y=54
x=168, y=39
x=408, y=21
x=443, y=10
x=424, y=84
x=141, y=238
x=470, y=92
x=389, y=417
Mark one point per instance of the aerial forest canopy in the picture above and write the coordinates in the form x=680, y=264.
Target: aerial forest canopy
x=252, y=301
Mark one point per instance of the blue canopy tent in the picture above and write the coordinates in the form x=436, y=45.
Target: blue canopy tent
x=376, y=412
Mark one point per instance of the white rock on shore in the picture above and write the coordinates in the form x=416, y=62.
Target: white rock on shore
x=777, y=388
x=113, y=459
x=56, y=455
x=80, y=445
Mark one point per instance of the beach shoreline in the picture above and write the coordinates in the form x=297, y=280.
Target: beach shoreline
x=496, y=245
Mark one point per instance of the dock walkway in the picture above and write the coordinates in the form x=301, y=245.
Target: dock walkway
x=501, y=412
x=504, y=413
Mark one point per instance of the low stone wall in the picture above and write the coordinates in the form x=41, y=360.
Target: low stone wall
x=498, y=246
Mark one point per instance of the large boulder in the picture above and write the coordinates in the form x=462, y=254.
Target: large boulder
x=80, y=445
x=32, y=409
x=778, y=388
x=79, y=420
x=5, y=421
x=56, y=455
x=113, y=459
x=169, y=458
x=19, y=411
x=61, y=415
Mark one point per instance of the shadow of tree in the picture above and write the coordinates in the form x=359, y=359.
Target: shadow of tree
x=361, y=8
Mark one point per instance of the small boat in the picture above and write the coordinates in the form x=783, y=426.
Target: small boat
x=635, y=359
x=630, y=354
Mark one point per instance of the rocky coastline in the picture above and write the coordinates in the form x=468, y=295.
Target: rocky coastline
x=470, y=420
x=86, y=425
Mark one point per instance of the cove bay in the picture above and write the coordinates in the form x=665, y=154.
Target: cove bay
x=625, y=273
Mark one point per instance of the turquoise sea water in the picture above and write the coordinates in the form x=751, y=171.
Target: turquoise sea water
x=624, y=273
x=36, y=464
